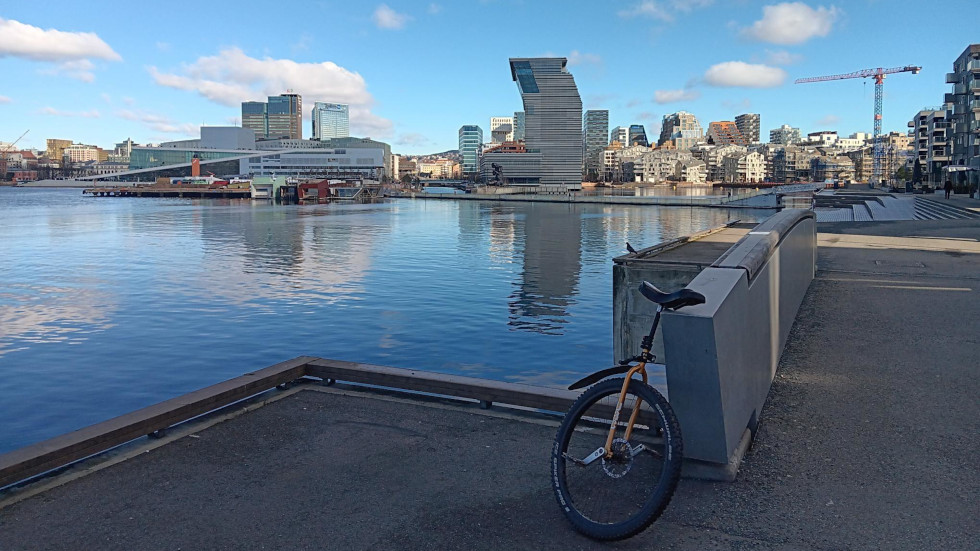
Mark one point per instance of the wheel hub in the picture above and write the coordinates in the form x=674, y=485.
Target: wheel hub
x=621, y=461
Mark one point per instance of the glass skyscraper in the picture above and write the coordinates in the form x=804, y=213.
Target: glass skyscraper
x=280, y=117
x=470, y=143
x=330, y=120
x=595, y=128
x=553, y=117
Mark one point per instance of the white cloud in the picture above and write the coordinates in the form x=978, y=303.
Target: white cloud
x=70, y=51
x=792, y=23
x=663, y=10
x=387, y=18
x=673, y=96
x=741, y=74
x=743, y=105
x=79, y=69
x=829, y=120
x=434, y=8
x=160, y=123
x=5, y=99
x=577, y=58
x=93, y=114
x=231, y=77
x=782, y=57
x=413, y=139
x=29, y=42
x=163, y=46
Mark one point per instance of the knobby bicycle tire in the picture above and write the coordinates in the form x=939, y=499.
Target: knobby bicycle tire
x=618, y=498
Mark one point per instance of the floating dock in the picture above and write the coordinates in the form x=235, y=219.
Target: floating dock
x=196, y=193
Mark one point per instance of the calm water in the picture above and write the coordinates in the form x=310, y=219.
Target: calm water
x=109, y=305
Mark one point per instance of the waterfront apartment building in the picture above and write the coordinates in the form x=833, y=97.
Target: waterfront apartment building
x=725, y=133
x=681, y=131
x=518, y=126
x=638, y=135
x=964, y=118
x=330, y=120
x=595, y=128
x=785, y=135
x=470, y=145
x=748, y=125
x=79, y=153
x=931, y=145
x=501, y=129
x=280, y=117
x=620, y=135
x=553, y=125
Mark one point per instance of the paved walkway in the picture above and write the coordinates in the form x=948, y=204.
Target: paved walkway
x=868, y=441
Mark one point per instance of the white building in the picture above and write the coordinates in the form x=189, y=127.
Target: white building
x=748, y=168
x=501, y=129
x=78, y=153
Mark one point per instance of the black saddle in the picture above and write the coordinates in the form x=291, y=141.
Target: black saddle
x=671, y=301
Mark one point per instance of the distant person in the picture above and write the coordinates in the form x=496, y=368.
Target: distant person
x=948, y=188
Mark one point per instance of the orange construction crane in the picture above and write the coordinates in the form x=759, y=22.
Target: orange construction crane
x=879, y=76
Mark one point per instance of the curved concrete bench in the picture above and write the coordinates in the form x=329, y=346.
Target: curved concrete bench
x=722, y=355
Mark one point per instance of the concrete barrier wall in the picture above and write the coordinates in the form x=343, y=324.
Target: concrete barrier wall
x=722, y=355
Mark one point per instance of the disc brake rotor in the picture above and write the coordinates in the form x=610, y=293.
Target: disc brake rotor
x=621, y=461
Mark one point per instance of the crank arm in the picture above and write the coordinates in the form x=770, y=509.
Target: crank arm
x=588, y=460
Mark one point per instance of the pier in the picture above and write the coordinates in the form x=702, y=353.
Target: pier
x=867, y=439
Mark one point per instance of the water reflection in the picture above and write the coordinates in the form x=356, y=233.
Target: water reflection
x=552, y=237
x=139, y=300
x=34, y=314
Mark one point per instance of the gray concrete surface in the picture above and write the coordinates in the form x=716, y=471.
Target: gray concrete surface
x=868, y=441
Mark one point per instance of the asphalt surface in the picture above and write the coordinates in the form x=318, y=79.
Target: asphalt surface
x=868, y=441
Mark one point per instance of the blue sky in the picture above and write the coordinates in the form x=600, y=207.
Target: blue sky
x=413, y=72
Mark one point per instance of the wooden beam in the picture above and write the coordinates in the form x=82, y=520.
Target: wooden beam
x=483, y=390
x=62, y=450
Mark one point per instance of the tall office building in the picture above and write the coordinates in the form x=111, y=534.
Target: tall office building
x=501, y=129
x=470, y=142
x=638, y=135
x=682, y=130
x=619, y=134
x=785, y=135
x=518, y=125
x=748, y=125
x=254, y=118
x=285, y=114
x=595, y=128
x=280, y=117
x=553, y=120
x=963, y=106
x=330, y=120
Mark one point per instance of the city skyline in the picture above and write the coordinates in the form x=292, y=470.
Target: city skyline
x=94, y=77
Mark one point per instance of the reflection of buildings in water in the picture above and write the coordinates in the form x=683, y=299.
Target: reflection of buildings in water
x=503, y=233
x=306, y=255
x=473, y=218
x=552, y=262
x=37, y=315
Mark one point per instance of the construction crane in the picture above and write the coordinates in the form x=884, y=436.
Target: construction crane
x=6, y=150
x=879, y=76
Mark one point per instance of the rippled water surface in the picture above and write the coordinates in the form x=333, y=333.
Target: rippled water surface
x=111, y=304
